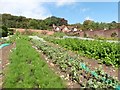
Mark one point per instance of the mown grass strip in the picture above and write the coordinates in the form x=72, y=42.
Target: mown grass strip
x=28, y=70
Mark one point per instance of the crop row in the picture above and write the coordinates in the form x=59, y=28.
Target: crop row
x=107, y=53
x=76, y=68
x=28, y=70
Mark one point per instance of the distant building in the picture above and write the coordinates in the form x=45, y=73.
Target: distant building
x=73, y=28
x=56, y=28
x=65, y=28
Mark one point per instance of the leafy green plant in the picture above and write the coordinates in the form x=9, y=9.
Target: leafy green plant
x=59, y=34
x=71, y=64
x=107, y=52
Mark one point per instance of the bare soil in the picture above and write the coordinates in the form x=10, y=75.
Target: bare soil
x=4, y=59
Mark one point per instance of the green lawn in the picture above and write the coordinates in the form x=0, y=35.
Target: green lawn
x=28, y=70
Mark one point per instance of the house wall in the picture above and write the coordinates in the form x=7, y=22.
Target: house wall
x=65, y=29
x=75, y=29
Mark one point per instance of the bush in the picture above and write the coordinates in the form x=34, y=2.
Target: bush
x=113, y=34
x=17, y=33
x=59, y=34
x=3, y=31
x=11, y=31
x=85, y=35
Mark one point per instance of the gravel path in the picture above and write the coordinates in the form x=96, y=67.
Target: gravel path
x=111, y=41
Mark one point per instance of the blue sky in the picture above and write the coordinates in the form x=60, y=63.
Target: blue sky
x=71, y=10
x=80, y=11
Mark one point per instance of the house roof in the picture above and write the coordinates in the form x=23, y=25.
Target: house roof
x=63, y=26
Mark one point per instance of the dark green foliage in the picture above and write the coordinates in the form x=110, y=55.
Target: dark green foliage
x=85, y=35
x=113, y=34
x=23, y=22
x=88, y=24
x=10, y=31
x=3, y=31
x=55, y=20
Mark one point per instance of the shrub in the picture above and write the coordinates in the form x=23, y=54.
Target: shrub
x=3, y=31
x=114, y=34
x=10, y=31
x=85, y=35
x=59, y=34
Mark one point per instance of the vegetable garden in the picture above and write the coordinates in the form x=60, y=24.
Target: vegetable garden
x=27, y=69
x=77, y=69
x=107, y=53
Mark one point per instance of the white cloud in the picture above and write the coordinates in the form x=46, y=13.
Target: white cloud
x=64, y=2
x=88, y=18
x=85, y=9
x=28, y=8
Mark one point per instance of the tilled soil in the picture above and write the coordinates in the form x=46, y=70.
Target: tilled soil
x=4, y=56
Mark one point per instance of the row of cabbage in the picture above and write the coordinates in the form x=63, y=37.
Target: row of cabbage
x=75, y=67
x=107, y=53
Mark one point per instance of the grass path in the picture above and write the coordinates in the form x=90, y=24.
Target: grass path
x=28, y=70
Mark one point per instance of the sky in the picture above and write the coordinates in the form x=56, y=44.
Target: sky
x=74, y=11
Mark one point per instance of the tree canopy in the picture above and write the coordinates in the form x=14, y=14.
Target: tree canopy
x=22, y=22
x=12, y=21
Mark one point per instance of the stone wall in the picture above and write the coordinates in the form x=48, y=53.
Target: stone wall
x=100, y=33
x=35, y=30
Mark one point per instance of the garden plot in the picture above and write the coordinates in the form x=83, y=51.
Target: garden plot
x=77, y=69
x=27, y=69
x=105, y=52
